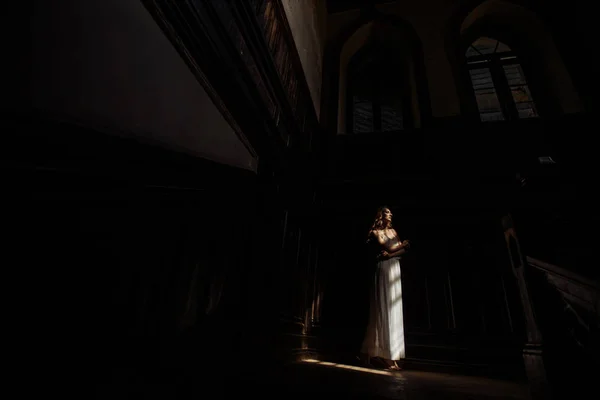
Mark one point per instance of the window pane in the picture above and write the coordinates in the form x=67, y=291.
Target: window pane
x=520, y=91
x=363, y=115
x=523, y=101
x=485, y=94
x=391, y=106
x=502, y=48
x=484, y=45
x=391, y=118
x=472, y=52
x=514, y=75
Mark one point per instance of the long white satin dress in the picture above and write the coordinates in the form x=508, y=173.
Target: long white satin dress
x=385, y=331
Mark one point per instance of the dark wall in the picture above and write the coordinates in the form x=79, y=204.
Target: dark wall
x=132, y=254
x=160, y=256
x=131, y=200
x=107, y=64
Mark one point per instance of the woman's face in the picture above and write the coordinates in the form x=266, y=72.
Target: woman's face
x=387, y=215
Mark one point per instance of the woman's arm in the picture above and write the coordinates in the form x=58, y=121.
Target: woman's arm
x=394, y=251
x=383, y=241
x=405, y=243
x=385, y=255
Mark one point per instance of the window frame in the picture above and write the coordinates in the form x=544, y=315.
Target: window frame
x=380, y=57
x=496, y=62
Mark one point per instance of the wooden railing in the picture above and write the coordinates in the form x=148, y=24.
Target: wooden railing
x=575, y=288
x=579, y=300
x=566, y=309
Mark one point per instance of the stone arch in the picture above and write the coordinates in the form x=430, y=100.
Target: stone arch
x=521, y=29
x=350, y=40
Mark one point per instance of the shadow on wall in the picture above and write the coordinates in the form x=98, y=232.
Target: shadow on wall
x=107, y=65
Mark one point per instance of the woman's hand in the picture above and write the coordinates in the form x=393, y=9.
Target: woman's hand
x=383, y=255
x=406, y=244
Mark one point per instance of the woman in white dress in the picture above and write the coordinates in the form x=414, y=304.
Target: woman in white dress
x=384, y=338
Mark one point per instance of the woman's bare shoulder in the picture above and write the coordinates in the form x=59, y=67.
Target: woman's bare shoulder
x=376, y=233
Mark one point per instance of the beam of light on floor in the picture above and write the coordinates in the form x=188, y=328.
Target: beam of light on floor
x=353, y=368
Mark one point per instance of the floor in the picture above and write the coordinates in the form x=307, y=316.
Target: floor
x=319, y=379
x=310, y=379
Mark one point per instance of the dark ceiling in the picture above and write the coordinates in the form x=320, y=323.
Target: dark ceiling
x=334, y=6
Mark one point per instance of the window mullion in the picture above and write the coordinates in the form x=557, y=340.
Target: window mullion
x=503, y=91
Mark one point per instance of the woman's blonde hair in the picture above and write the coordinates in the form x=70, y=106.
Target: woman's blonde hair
x=379, y=222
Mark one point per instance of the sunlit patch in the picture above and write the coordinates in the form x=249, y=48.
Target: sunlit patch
x=353, y=368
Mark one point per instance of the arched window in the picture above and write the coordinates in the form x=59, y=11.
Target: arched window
x=499, y=84
x=377, y=93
